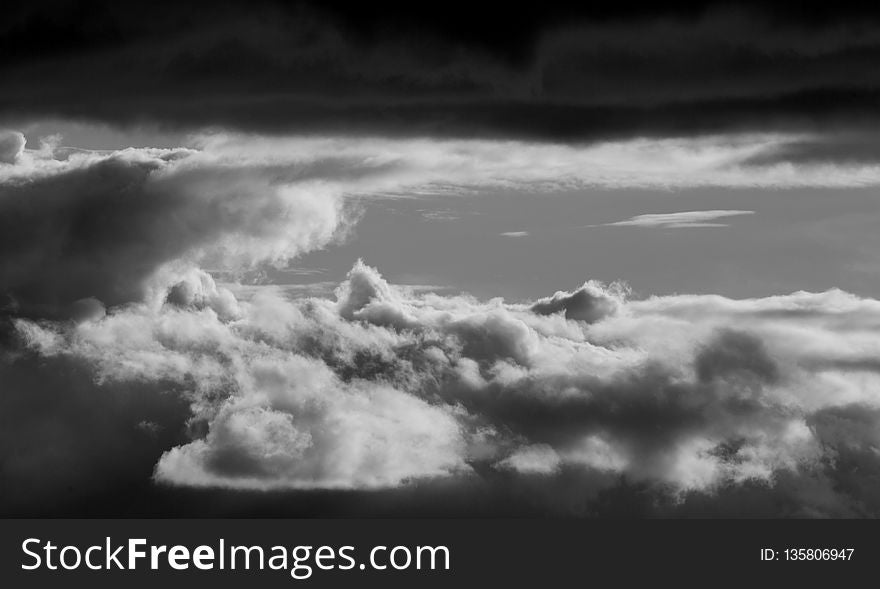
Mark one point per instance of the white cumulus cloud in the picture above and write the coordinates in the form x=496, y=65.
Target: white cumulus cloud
x=382, y=385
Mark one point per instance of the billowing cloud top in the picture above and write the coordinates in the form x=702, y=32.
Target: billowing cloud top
x=382, y=386
x=11, y=146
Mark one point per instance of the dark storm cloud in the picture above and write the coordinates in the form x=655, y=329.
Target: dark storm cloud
x=554, y=74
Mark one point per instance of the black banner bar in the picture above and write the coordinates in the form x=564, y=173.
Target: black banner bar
x=513, y=553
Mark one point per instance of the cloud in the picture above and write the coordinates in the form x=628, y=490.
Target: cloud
x=515, y=234
x=106, y=259
x=681, y=220
x=11, y=146
x=853, y=147
x=690, y=395
x=590, y=303
x=102, y=226
x=445, y=215
x=537, y=459
x=559, y=75
x=78, y=224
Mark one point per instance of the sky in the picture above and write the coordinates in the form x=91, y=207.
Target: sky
x=296, y=259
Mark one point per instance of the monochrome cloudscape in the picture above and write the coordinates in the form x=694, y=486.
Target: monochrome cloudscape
x=110, y=265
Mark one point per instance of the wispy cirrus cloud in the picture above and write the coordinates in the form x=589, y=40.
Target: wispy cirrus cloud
x=444, y=215
x=679, y=220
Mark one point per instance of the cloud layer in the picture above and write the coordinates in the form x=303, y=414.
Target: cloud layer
x=686, y=394
x=557, y=73
x=107, y=262
x=76, y=224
